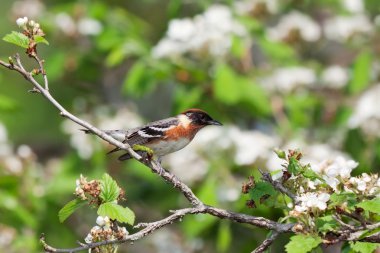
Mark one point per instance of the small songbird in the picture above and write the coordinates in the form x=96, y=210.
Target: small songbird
x=164, y=136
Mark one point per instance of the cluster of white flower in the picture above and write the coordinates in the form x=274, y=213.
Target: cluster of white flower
x=311, y=201
x=289, y=78
x=335, y=77
x=365, y=184
x=335, y=171
x=295, y=24
x=209, y=33
x=83, y=26
x=103, y=231
x=353, y=6
x=13, y=162
x=245, y=147
x=343, y=28
x=366, y=114
x=32, y=8
x=30, y=25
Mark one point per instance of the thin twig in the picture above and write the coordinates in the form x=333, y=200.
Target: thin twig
x=267, y=242
x=266, y=176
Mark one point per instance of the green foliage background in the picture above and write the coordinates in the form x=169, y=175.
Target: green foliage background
x=115, y=68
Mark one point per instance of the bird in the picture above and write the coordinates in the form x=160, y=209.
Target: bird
x=164, y=136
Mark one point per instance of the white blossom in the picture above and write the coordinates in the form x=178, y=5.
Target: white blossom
x=342, y=28
x=21, y=22
x=207, y=33
x=251, y=145
x=335, y=77
x=65, y=23
x=30, y=8
x=100, y=220
x=181, y=29
x=353, y=6
x=227, y=193
x=88, y=238
x=288, y=78
x=311, y=200
x=89, y=26
x=24, y=151
x=366, y=114
x=308, y=29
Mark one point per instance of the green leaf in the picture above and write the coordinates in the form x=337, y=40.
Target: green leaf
x=117, y=212
x=294, y=166
x=261, y=192
x=361, y=72
x=278, y=51
x=338, y=199
x=372, y=205
x=40, y=39
x=226, y=85
x=231, y=89
x=364, y=247
x=109, y=189
x=326, y=224
x=224, y=237
x=139, y=80
x=302, y=243
x=70, y=208
x=309, y=173
x=17, y=38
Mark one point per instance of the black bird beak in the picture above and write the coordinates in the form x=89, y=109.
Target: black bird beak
x=214, y=122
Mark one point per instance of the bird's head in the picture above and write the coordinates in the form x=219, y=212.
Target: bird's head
x=198, y=117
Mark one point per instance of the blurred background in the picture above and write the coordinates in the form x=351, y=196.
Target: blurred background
x=289, y=74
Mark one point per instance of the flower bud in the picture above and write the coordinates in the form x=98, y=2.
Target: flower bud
x=22, y=21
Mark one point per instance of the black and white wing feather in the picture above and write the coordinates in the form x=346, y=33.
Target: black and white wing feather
x=151, y=131
x=147, y=133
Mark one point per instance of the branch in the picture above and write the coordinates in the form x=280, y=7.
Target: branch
x=198, y=207
x=266, y=176
x=266, y=243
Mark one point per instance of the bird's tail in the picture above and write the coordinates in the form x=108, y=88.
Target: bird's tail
x=127, y=156
x=119, y=135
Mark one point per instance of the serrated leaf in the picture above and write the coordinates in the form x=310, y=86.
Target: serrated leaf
x=40, y=39
x=338, y=199
x=302, y=243
x=372, y=205
x=109, y=189
x=261, y=192
x=312, y=175
x=326, y=224
x=294, y=166
x=117, y=212
x=17, y=38
x=70, y=208
x=363, y=247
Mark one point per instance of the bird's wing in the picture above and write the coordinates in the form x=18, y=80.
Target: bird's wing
x=151, y=131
